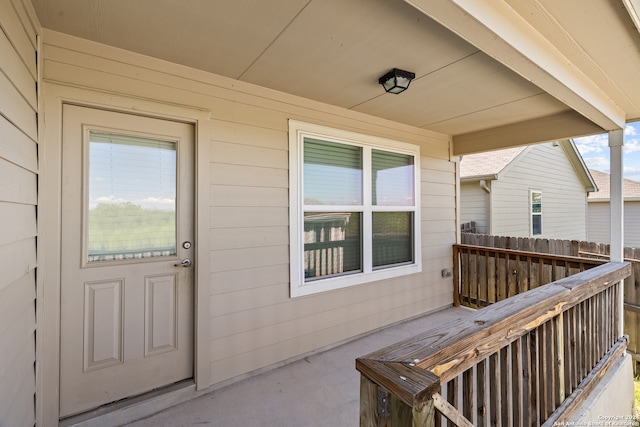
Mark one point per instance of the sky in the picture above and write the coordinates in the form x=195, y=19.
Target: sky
x=595, y=151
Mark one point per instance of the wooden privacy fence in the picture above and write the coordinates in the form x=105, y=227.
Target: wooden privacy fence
x=530, y=360
x=576, y=248
x=467, y=286
x=486, y=275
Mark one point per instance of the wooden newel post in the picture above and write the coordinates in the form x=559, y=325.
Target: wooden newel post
x=380, y=408
x=399, y=395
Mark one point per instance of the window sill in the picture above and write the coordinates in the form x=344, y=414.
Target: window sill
x=300, y=289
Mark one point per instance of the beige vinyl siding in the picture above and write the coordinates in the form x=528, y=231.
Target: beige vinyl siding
x=474, y=206
x=545, y=168
x=253, y=322
x=18, y=198
x=600, y=224
x=632, y=224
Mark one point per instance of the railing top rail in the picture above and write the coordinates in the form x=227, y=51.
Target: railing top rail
x=583, y=260
x=447, y=350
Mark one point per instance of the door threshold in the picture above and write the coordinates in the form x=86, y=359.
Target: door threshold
x=134, y=408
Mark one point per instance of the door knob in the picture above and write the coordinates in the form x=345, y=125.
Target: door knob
x=184, y=263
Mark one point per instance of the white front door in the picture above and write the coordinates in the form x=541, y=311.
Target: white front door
x=126, y=322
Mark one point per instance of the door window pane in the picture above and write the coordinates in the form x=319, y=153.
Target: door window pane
x=132, y=197
x=332, y=173
x=392, y=238
x=392, y=179
x=332, y=243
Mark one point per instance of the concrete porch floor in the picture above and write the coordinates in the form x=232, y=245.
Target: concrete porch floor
x=323, y=389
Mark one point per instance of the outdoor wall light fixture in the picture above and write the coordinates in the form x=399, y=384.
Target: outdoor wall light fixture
x=396, y=81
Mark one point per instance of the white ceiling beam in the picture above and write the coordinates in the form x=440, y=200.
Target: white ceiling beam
x=569, y=124
x=633, y=8
x=499, y=31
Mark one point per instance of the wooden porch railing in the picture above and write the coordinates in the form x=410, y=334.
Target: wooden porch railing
x=573, y=248
x=485, y=275
x=530, y=360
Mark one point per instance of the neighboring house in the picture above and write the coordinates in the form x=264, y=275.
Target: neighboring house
x=255, y=138
x=599, y=211
x=535, y=191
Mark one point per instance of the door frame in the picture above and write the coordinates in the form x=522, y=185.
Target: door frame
x=54, y=96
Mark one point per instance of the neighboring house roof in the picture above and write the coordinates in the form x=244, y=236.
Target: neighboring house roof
x=491, y=164
x=487, y=165
x=631, y=189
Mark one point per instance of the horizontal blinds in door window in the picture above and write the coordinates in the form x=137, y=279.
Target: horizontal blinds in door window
x=131, y=197
x=332, y=173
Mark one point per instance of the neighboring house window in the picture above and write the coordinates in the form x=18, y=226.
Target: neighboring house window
x=536, y=213
x=354, y=208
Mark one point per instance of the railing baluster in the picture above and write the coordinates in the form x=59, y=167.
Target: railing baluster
x=466, y=284
x=468, y=394
x=517, y=272
x=493, y=284
x=598, y=327
x=569, y=351
x=551, y=366
x=474, y=282
x=494, y=390
x=516, y=382
x=487, y=279
x=535, y=378
x=481, y=401
x=559, y=368
x=584, y=346
x=528, y=399
x=591, y=327
x=452, y=396
x=617, y=289
x=505, y=386
x=543, y=380
x=505, y=277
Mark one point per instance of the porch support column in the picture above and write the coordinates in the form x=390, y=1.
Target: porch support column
x=616, y=205
x=617, y=212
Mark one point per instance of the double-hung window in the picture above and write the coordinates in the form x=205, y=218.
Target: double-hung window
x=536, y=212
x=354, y=208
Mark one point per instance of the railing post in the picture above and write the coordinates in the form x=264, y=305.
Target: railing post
x=424, y=415
x=378, y=408
x=369, y=411
x=456, y=275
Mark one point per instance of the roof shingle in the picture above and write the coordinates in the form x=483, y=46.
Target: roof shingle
x=631, y=188
x=488, y=163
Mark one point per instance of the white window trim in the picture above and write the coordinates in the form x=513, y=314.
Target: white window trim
x=532, y=214
x=298, y=287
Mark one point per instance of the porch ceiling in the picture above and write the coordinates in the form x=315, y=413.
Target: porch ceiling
x=509, y=73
